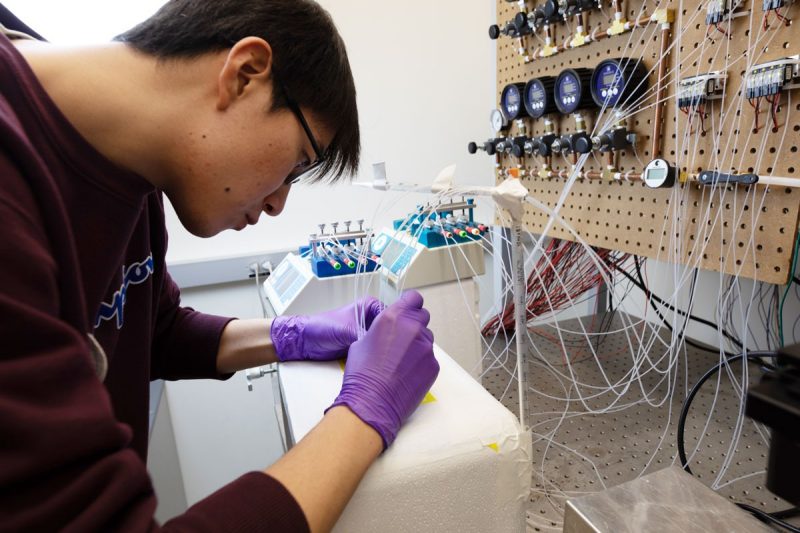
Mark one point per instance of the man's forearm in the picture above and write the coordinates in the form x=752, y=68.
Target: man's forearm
x=323, y=471
x=245, y=344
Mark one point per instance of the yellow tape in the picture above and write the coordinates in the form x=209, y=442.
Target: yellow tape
x=494, y=447
x=429, y=398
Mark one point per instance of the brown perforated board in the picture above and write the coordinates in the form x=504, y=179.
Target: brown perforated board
x=747, y=231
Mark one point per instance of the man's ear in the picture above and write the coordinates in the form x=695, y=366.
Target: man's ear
x=249, y=61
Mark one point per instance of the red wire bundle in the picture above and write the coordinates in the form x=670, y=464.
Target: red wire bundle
x=545, y=293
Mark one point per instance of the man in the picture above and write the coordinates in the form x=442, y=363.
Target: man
x=221, y=106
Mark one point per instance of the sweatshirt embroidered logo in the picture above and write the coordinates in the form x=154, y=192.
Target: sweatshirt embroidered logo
x=132, y=275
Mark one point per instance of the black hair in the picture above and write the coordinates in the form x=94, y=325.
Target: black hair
x=309, y=57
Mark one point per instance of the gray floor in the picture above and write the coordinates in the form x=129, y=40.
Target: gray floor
x=634, y=440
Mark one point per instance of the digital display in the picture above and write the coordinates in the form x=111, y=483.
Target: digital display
x=608, y=84
x=568, y=86
x=656, y=174
x=512, y=100
x=536, y=99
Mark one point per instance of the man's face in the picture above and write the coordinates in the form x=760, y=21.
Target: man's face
x=235, y=169
x=234, y=159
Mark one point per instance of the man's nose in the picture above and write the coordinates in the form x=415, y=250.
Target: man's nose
x=275, y=202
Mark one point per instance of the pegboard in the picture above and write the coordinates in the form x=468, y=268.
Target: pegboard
x=743, y=230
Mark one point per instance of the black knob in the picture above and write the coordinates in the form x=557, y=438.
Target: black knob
x=602, y=142
x=472, y=148
x=540, y=148
x=521, y=23
x=562, y=145
x=518, y=146
x=581, y=143
x=543, y=144
x=490, y=149
x=549, y=9
x=494, y=32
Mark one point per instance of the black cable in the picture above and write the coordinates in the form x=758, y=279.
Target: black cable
x=769, y=518
x=773, y=518
x=755, y=356
x=687, y=340
x=796, y=279
x=653, y=297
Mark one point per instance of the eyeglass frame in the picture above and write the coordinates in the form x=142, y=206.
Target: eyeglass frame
x=295, y=108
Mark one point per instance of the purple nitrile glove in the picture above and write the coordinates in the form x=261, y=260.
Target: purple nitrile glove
x=324, y=336
x=391, y=368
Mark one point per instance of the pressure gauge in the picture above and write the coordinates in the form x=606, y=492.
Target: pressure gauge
x=659, y=174
x=498, y=120
x=511, y=101
x=539, y=97
x=572, y=90
x=618, y=81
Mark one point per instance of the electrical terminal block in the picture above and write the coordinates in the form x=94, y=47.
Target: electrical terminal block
x=720, y=10
x=694, y=91
x=767, y=79
x=772, y=5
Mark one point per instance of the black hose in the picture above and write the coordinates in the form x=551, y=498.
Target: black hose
x=755, y=356
x=768, y=518
x=771, y=518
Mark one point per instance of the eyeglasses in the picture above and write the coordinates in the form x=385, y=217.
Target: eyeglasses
x=304, y=169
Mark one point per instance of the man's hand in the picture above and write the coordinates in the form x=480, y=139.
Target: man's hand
x=390, y=369
x=324, y=336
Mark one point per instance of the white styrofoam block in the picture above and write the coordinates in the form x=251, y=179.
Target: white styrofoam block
x=461, y=463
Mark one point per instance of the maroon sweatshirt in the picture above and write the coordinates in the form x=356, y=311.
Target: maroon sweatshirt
x=82, y=246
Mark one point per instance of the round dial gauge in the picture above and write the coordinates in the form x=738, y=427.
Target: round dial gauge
x=499, y=122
